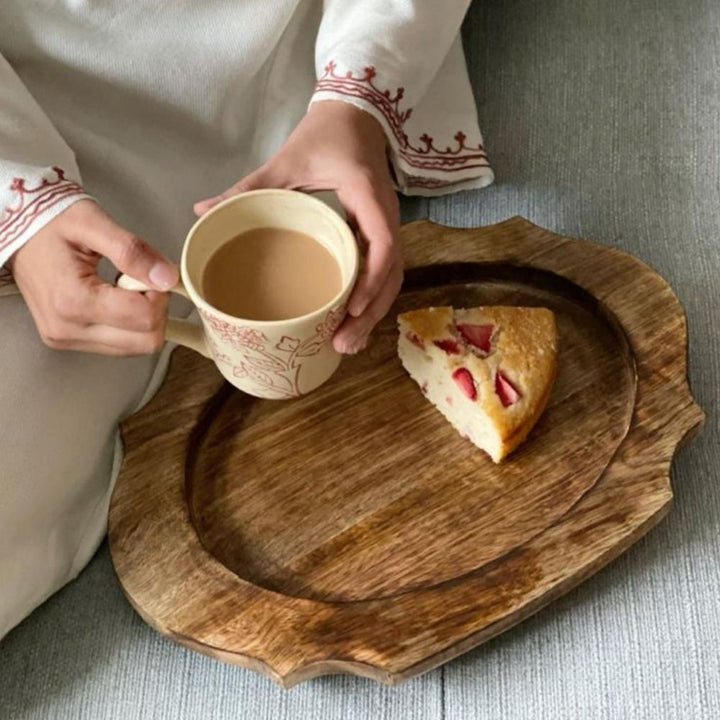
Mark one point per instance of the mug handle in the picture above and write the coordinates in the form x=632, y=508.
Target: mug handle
x=184, y=332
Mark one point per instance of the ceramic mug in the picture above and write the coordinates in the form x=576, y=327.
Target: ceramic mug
x=270, y=359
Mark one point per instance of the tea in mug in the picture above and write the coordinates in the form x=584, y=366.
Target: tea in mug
x=271, y=274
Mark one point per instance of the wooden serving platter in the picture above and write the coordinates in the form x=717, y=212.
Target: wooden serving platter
x=353, y=530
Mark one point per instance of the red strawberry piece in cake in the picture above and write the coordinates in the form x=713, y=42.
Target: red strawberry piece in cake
x=464, y=379
x=505, y=390
x=478, y=336
x=449, y=345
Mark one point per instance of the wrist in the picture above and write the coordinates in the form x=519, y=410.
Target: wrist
x=354, y=118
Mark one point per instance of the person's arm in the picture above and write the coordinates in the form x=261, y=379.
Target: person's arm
x=39, y=177
x=52, y=236
x=375, y=59
x=402, y=62
x=404, y=41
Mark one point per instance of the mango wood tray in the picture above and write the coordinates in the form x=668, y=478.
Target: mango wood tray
x=353, y=530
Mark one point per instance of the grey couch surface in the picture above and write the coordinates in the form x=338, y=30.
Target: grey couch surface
x=602, y=119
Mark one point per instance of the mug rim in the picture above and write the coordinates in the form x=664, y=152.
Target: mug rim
x=342, y=226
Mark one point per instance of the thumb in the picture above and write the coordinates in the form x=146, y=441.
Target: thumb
x=130, y=254
x=260, y=178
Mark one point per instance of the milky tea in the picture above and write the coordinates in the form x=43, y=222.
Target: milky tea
x=271, y=274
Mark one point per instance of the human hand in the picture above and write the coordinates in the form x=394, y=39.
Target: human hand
x=337, y=146
x=73, y=308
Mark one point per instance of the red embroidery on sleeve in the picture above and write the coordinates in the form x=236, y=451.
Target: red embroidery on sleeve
x=32, y=201
x=431, y=183
x=424, y=155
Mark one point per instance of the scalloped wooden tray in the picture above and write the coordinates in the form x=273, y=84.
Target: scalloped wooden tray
x=353, y=530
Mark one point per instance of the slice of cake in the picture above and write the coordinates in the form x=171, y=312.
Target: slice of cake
x=489, y=370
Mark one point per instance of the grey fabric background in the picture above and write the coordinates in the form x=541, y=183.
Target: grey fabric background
x=602, y=118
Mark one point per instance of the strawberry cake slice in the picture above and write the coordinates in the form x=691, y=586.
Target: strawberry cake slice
x=489, y=370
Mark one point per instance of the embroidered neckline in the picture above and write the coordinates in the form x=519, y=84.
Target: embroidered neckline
x=31, y=201
x=423, y=154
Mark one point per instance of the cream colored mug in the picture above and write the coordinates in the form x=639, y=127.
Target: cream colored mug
x=269, y=359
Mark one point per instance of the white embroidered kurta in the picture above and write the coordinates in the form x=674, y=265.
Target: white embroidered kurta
x=147, y=107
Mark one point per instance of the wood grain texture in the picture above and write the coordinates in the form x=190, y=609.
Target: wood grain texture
x=362, y=490
x=353, y=530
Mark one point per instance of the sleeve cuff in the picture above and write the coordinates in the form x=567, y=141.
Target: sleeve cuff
x=30, y=203
x=421, y=166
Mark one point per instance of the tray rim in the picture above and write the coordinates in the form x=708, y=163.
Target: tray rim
x=523, y=244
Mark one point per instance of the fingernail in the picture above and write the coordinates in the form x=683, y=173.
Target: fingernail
x=344, y=347
x=357, y=346
x=357, y=309
x=202, y=206
x=163, y=275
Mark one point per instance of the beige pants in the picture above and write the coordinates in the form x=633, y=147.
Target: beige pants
x=60, y=451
